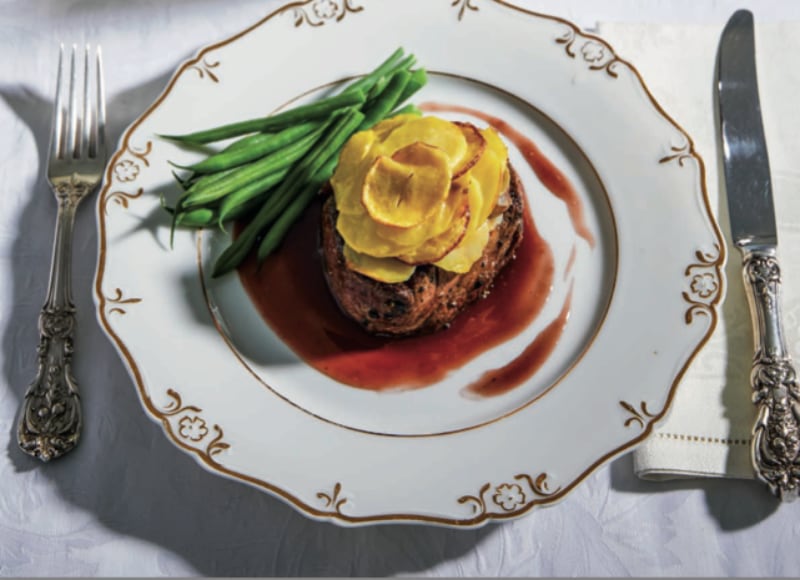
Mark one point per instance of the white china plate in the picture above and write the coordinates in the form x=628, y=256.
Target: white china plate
x=644, y=296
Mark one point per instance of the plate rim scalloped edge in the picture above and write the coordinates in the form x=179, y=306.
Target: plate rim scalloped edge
x=205, y=457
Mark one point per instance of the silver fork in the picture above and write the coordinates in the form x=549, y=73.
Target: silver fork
x=50, y=419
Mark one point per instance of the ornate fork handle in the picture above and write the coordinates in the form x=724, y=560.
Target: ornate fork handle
x=51, y=419
x=776, y=434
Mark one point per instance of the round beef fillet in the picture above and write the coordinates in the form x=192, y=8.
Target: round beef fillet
x=432, y=297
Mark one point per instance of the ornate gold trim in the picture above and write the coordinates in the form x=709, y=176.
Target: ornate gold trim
x=127, y=170
x=189, y=429
x=141, y=154
x=509, y=497
x=463, y=6
x=122, y=198
x=597, y=53
x=203, y=69
x=639, y=416
x=388, y=517
x=118, y=299
x=323, y=11
x=680, y=154
x=705, y=281
x=333, y=500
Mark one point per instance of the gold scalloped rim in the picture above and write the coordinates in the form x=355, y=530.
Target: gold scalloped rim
x=336, y=515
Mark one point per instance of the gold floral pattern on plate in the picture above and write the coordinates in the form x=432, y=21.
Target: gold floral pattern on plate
x=318, y=12
x=704, y=284
x=126, y=168
x=593, y=51
x=190, y=428
x=509, y=498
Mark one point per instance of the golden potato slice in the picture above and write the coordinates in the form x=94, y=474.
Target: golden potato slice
x=470, y=247
x=456, y=202
x=474, y=191
x=369, y=237
x=491, y=172
x=468, y=251
x=389, y=270
x=405, y=189
x=439, y=246
x=494, y=142
x=461, y=259
x=360, y=233
x=432, y=131
x=386, y=126
x=418, y=190
x=476, y=145
x=354, y=162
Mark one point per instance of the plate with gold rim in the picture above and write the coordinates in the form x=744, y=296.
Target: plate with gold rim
x=603, y=166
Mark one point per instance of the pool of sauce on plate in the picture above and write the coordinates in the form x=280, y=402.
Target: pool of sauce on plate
x=290, y=293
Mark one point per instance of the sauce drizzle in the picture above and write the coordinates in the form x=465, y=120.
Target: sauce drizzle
x=501, y=380
x=290, y=292
x=550, y=176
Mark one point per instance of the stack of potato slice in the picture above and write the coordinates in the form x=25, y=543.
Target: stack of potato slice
x=418, y=190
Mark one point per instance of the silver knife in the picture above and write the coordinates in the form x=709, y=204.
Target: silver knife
x=776, y=433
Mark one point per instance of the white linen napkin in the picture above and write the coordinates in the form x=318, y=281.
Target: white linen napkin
x=708, y=430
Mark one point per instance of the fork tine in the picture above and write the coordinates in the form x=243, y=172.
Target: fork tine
x=86, y=119
x=72, y=113
x=101, y=107
x=57, y=130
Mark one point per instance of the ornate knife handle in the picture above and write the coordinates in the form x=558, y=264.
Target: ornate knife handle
x=776, y=434
x=50, y=419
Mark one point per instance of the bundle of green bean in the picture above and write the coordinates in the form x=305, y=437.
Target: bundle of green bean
x=279, y=163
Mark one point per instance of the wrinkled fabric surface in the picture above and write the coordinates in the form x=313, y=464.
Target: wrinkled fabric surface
x=708, y=430
x=127, y=502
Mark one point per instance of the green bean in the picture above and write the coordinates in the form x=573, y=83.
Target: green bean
x=300, y=173
x=249, y=207
x=404, y=64
x=386, y=67
x=196, y=218
x=283, y=160
x=272, y=163
x=201, y=181
x=381, y=84
x=386, y=101
x=301, y=114
x=251, y=148
x=250, y=191
x=282, y=224
x=419, y=78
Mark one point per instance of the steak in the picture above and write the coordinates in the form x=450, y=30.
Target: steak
x=432, y=297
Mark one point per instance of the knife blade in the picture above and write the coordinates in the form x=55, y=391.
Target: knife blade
x=775, y=447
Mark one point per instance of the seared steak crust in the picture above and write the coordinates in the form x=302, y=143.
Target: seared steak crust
x=432, y=297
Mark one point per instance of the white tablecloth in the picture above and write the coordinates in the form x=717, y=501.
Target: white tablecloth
x=127, y=502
